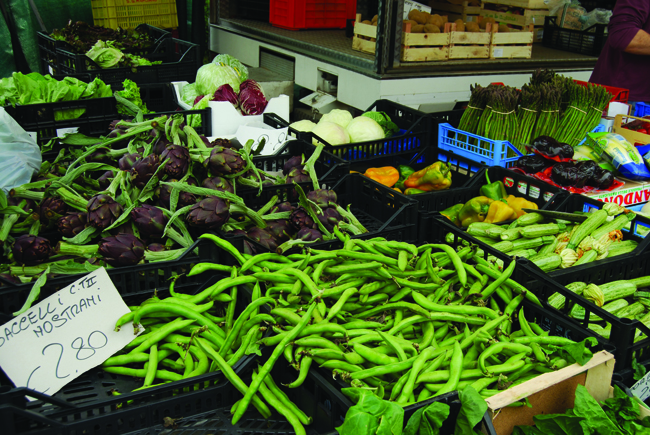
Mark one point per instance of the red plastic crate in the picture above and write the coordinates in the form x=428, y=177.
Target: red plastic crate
x=311, y=14
x=621, y=95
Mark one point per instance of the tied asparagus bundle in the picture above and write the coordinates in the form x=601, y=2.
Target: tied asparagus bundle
x=527, y=114
x=549, y=110
x=472, y=115
x=499, y=120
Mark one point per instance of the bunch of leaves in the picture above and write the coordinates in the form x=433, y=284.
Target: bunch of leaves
x=82, y=36
x=617, y=416
x=371, y=415
x=382, y=118
x=131, y=93
x=105, y=54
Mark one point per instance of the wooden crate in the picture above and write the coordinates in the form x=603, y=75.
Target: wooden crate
x=361, y=32
x=424, y=47
x=526, y=4
x=469, y=45
x=551, y=393
x=510, y=45
x=461, y=11
x=531, y=16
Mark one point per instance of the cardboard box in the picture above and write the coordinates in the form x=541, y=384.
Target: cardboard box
x=633, y=192
x=226, y=119
x=551, y=393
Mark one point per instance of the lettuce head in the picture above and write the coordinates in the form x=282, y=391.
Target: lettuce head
x=211, y=76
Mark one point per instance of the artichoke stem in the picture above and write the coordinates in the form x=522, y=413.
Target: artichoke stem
x=178, y=238
x=290, y=244
x=72, y=200
x=27, y=270
x=256, y=218
x=35, y=228
x=65, y=248
x=7, y=223
x=19, y=192
x=152, y=256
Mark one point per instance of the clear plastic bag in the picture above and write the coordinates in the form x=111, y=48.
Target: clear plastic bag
x=20, y=156
x=597, y=16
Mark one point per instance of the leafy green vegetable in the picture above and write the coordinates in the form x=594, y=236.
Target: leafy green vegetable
x=34, y=88
x=577, y=352
x=226, y=59
x=389, y=127
x=195, y=120
x=131, y=93
x=371, y=415
x=189, y=94
x=427, y=421
x=639, y=369
x=473, y=408
x=106, y=55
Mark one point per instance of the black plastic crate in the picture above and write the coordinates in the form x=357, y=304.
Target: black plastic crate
x=49, y=47
x=329, y=168
x=415, y=133
x=131, y=280
x=589, y=42
x=383, y=211
x=181, y=60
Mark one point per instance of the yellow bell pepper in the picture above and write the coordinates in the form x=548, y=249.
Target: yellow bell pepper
x=499, y=211
x=517, y=203
x=386, y=175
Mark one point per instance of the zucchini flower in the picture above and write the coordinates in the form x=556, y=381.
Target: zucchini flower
x=561, y=247
x=616, y=235
x=569, y=256
x=613, y=209
x=563, y=237
x=602, y=245
x=573, y=230
x=603, y=255
x=587, y=243
x=594, y=294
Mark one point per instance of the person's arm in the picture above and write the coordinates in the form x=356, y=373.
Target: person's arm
x=640, y=44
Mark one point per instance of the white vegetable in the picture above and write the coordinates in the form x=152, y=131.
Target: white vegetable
x=362, y=129
x=303, y=125
x=338, y=116
x=332, y=133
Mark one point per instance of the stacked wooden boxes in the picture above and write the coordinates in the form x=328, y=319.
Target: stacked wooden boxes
x=457, y=10
x=365, y=36
x=518, y=14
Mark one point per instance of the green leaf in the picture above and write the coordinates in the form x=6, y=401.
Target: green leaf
x=3, y=199
x=639, y=369
x=588, y=408
x=371, y=415
x=427, y=421
x=559, y=424
x=34, y=293
x=526, y=430
x=473, y=408
x=83, y=237
x=577, y=352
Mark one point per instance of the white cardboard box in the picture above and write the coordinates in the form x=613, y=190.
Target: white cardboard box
x=226, y=119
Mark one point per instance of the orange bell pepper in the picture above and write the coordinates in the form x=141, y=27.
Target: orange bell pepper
x=386, y=175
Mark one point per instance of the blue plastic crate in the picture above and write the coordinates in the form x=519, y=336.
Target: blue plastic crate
x=477, y=148
x=641, y=109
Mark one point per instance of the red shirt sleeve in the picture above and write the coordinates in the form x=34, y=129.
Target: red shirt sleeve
x=629, y=17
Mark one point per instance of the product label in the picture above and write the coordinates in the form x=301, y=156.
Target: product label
x=65, y=335
x=642, y=388
x=508, y=182
x=497, y=52
x=60, y=132
x=534, y=192
x=624, y=197
x=522, y=187
x=548, y=196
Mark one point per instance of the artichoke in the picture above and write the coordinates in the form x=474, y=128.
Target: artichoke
x=248, y=246
x=143, y=170
x=122, y=250
x=301, y=219
x=52, y=208
x=305, y=235
x=298, y=175
x=119, y=144
x=100, y=155
x=224, y=161
x=30, y=205
x=105, y=179
x=209, y=213
x=293, y=162
x=156, y=247
x=330, y=218
x=263, y=237
x=6, y=278
x=149, y=220
x=163, y=192
x=219, y=142
x=323, y=197
x=161, y=145
x=30, y=250
x=280, y=229
x=103, y=211
x=72, y=223
x=281, y=207
x=218, y=183
x=179, y=160
x=128, y=160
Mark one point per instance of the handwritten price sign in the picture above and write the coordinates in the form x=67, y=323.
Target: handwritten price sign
x=65, y=335
x=642, y=387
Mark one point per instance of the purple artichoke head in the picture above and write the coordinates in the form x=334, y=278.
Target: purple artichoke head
x=143, y=170
x=156, y=247
x=121, y=250
x=161, y=145
x=251, y=98
x=224, y=161
x=299, y=175
x=281, y=207
x=323, y=197
x=293, y=162
x=209, y=213
x=301, y=219
x=127, y=161
x=6, y=278
x=184, y=198
x=105, y=179
x=99, y=156
x=119, y=144
x=179, y=160
x=113, y=125
x=248, y=246
x=280, y=229
x=103, y=211
x=30, y=205
x=309, y=235
x=218, y=183
x=30, y=250
x=220, y=142
x=226, y=93
x=330, y=218
x=149, y=220
x=52, y=208
x=72, y=223
x=263, y=237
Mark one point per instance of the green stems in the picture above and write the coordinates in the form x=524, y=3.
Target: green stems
x=65, y=248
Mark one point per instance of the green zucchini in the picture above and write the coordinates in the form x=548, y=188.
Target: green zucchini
x=511, y=234
x=539, y=230
x=529, y=219
x=623, y=247
x=617, y=223
x=578, y=312
x=524, y=253
x=617, y=289
x=527, y=243
x=556, y=300
x=594, y=220
x=547, y=262
x=550, y=247
x=587, y=257
x=631, y=311
x=603, y=332
x=504, y=246
x=495, y=233
x=641, y=282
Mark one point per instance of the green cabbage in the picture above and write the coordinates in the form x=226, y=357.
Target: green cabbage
x=363, y=128
x=338, y=116
x=226, y=59
x=331, y=133
x=390, y=128
x=210, y=76
x=189, y=94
